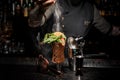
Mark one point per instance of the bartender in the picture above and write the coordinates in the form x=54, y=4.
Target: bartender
x=72, y=17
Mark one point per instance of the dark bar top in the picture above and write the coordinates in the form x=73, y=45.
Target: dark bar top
x=25, y=68
x=21, y=73
x=87, y=62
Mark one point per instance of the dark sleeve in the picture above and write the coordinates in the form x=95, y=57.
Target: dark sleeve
x=37, y=17
x=100, y=22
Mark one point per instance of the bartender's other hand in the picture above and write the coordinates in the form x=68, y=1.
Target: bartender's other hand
x=116, y=31
x=43, y=62
x=46, y=3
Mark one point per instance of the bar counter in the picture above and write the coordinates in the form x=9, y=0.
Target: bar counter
x=19, y=68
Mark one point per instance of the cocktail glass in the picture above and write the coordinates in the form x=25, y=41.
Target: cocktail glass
x=58, y=54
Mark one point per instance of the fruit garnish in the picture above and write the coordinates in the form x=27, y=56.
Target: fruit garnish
x=55, y=37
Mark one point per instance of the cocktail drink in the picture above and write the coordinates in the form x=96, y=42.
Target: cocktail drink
x=58, y=54
x=58, y=40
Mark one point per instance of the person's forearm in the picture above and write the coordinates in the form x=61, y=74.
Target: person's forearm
x=100, y=22
x=35, y=10
x=36, y=17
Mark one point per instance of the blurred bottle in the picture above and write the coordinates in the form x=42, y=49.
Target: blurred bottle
x=30, y=5
x=25, y=8
x=6, y=46
x=17, y=8
x=13, y=8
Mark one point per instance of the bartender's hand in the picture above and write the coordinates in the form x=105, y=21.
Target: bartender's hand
x=45, y=3
x=43, y=62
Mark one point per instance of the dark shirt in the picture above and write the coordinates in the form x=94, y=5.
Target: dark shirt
x=70, y=19
x=75, y=20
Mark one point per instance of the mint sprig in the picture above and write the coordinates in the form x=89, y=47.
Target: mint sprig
x=50, y=37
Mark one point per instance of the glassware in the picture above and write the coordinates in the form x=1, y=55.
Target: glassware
x=58, y=55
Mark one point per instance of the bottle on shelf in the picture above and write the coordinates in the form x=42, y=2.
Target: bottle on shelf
x=25, y=8
x=17, y=8
x=30, y=5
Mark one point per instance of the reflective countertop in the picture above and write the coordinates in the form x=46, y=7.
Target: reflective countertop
x=19, y=68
